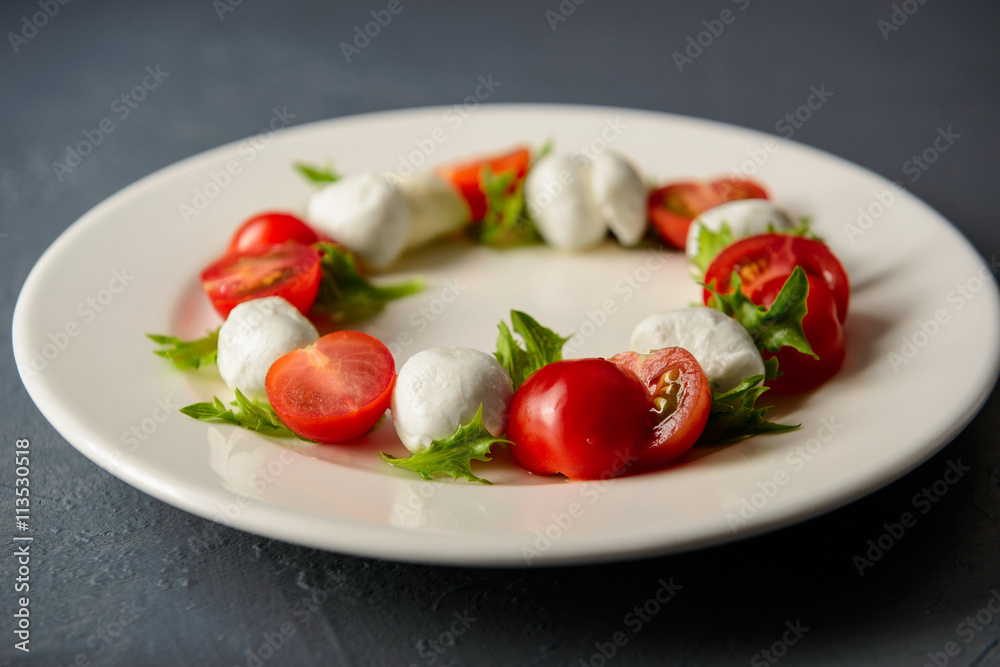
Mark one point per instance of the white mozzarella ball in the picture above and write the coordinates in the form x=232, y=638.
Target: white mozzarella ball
x=620, y=196
x=254, y=335
x=559, y=199
x=721, y=345
x=365, y=213
x=435, y=207
x=439, y=390
x=745, y=217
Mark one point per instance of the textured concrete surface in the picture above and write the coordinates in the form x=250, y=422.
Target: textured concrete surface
x=118, y=578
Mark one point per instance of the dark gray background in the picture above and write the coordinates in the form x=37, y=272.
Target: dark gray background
x=122, y=579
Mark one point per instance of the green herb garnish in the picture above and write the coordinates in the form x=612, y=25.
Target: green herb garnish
x=189, y=353
x=453, y=455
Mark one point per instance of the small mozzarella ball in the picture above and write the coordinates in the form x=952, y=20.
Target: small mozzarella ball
x=254, y=335
x=439, y=390
x=435, y=207
x=366, y=214
x=721, y=345
x=559, y=199
x=745, y=217
x=620, y=196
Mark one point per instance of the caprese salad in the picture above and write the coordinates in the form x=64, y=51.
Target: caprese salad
x=775, y=301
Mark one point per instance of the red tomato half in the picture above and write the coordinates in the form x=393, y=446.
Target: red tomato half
x=335, y=389
x=758, y=259
x=681, y=400
x=672, y=207
x=800, y=372
x=465, y=177
x=269, y=229
x=287, y=270
x=584, y=418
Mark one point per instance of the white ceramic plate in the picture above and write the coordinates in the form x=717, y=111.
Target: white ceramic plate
x=130, y=266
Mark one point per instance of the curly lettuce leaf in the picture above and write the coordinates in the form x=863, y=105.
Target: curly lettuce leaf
x=453, y=455
x=775, y=327
x=187, y=354
x=710, y=244
x=318, y=175
x=346, y=295
x=252, y=415
x=734, y=414
x=541, y=346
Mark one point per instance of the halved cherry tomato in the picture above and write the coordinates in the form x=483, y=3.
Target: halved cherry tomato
x=271, y=228
x=672, y=207
x=681, y=399
x=288, y=270
x=584, y=418
x=465, y=177
x=758, y=259
x=800, y=372
x=335, y=389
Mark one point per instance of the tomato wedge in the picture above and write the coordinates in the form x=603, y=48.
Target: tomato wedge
x=681, y=398
x=671, y=208
x=584, y=418
x=288, y=270
x=335, y=389
x=799, y=372
x=759, y=259
x=269, y=229
x=465, y=176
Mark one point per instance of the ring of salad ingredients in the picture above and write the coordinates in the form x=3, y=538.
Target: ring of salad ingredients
x=775, y=301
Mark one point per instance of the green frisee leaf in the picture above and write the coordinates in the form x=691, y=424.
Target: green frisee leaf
x=252, y=415
x=187, y=354
x=802, y=229
x=506, y=221
x=775, y=327
x=318, y=175
x=734, y=414
x=542, y=346
x=453, y=455
x=346, y=295
x=710, y=244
